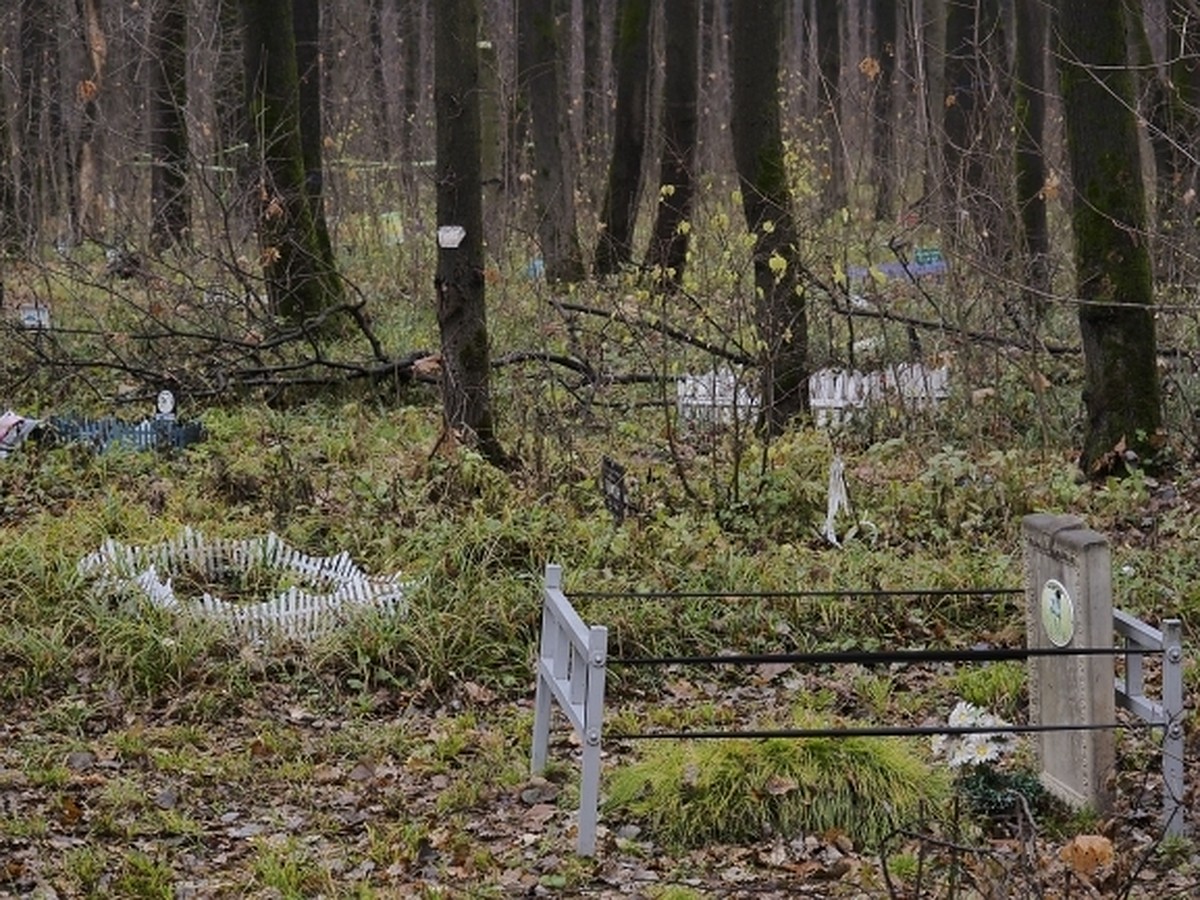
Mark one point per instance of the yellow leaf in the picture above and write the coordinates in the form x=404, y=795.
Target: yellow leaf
x=839, y=276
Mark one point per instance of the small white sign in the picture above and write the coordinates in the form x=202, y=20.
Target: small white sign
x=36, y=318
x=1058, y=613
x=450, y=236
x=165, y=403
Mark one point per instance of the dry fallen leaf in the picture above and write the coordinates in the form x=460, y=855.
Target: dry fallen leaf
x=778, y=785
x=1086, y=854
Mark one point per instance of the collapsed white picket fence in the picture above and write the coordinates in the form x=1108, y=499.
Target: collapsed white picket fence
x=721, y=397
x=325, y=590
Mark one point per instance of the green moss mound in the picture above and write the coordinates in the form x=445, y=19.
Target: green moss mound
x=692, y=793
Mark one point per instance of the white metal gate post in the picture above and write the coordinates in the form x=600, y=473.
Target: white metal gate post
x=1173, y=737
x=571, y=672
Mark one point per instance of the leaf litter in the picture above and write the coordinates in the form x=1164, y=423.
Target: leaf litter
x=412, y=799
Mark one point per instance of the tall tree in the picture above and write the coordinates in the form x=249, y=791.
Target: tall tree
x=767, y=203
x=461, y=311
x=631, y=47
x=1108, y=216
x=410, y=134
x=883, y=141
x=553, y=185
x=10, y=232
x=306, y=21
x=681, y=90
x=829, y=94
x=1030, y=102
x=86, y=212
x=974, y=52
x=1174, y=120
x=300, y=275
x=594, y=77
x=33, y=162
x=170, y=212
x=380, y=119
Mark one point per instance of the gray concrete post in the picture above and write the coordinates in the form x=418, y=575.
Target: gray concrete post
x=1068, y=588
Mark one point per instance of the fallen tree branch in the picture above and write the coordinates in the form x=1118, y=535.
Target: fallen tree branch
x=739, y=357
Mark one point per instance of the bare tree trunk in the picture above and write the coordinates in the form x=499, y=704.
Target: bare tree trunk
x=462, y=316
x=1112, y=262
x=1031, y=160
x=767, y=203
x=410, y=43
x=631, y=47
x=883, y=139
x=170, y=207
x=669, y=243
x=829, y=64
x=553, y=186
x=306, y=19
x=1174, y=118
x=595, y=69
x=33, y=166
x=974, y=51
x=10, y=232
x=380, y=119
x=299, y=271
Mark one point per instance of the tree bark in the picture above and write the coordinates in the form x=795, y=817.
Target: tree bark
x=170, y=213
x=1030, y=158
x=297, y=267
x=10, y=232
x=681, y=89
x=306, y=20
x=767, y=204
x=461, y=311
x=829, y=65
x=1112, y=262
x=631, y=47
x=974, y=51
x=553, y=185
x=410, y=42
x=33, y=169
x=380, y=119
x=883, y=141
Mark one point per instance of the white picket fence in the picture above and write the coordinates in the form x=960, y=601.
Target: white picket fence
x=721, y=397
x=326, y=591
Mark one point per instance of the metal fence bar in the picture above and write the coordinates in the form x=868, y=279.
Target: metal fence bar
x=571, y=672
x=573, y=657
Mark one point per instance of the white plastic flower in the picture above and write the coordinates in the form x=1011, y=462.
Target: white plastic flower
x=965, y=715
x=971, y=749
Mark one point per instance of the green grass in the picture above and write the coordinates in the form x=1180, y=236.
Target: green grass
x=936, y=499
x=690, y=794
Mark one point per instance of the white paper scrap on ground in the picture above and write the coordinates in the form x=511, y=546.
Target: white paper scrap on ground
x=837, y=500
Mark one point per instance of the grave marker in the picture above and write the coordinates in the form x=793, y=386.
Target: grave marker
x=612, y=482
x=1069, y=605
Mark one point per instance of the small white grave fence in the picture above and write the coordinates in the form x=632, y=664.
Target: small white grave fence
x=324, y=592
x=722, y=397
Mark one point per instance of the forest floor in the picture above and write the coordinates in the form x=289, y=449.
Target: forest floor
x=278, y=797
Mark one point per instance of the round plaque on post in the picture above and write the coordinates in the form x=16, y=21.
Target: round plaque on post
x=1058, y=613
